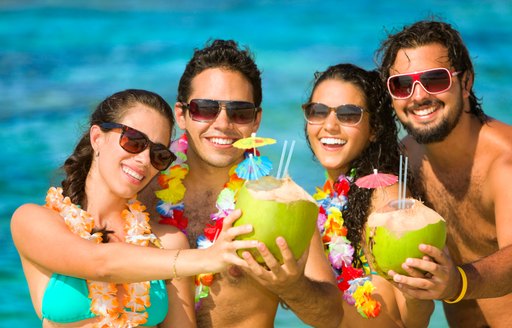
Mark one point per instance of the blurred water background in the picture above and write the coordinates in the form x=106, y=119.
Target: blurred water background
x=59, y=58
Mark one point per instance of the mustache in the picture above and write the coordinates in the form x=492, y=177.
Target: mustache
x=425, y=103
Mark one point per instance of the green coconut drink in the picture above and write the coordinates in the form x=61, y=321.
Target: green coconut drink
x=277, y=207
x=393, y=235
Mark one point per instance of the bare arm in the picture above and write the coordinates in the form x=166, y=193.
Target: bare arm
x=181, y=312
x=35, y=228
x=488, y=277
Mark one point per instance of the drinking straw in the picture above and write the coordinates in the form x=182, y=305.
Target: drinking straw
x=405, y=179
x=285, y=172
x=282, y=158
x=400, y=183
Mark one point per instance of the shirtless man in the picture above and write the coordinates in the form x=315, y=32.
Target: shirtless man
x=463, y=161
x=221, y=71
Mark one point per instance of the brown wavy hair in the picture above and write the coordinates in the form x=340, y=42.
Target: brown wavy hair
x=112, y=109
x=424, y=33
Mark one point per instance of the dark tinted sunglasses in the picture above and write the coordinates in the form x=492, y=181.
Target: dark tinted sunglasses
x=348, y=115
x=434, y=81
x=206, y=110
x=135, y=142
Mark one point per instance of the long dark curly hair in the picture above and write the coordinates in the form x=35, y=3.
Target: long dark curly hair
x=383, y=153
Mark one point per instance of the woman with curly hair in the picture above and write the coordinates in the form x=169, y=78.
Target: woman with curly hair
x=351, y=130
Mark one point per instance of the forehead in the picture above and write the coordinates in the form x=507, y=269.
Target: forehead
x=420, y=58
x=335, y=92
x=221, y=84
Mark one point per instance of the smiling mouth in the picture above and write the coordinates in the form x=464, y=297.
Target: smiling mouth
x=333, y=141
x=132, y=173
x=221, y=141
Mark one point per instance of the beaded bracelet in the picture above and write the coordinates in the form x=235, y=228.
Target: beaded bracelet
x=464, y=287
x=174, y=264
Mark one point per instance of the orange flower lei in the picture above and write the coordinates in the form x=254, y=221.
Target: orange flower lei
x=104, y=301
x=171, y=206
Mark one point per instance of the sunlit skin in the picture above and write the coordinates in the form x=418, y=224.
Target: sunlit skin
x=422, y=112
x=334, y=144
x=466, y=179
x=212, y=141
x=123, y=173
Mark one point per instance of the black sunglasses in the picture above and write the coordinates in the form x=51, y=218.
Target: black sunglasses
x=207, y=110
x=348, y=115
x=135, y=142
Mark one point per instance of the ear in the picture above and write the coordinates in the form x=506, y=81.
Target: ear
x=96, y=137
x=180, y=113
x=466, y=81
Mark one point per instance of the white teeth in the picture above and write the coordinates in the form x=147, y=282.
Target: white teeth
x=424, y=111
x=222, y=141
x=333, y=141
x=132, y=173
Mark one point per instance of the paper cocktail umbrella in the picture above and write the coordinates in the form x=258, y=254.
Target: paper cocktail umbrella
x=376, y=180
x=253, y=167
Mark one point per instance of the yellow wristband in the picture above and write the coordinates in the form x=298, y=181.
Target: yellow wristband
x=464, y=287
x=174, y=264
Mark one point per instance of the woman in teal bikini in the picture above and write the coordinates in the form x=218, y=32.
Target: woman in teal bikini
x=351, y=130
x=89, y=255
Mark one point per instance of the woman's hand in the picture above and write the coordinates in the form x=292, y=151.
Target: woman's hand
x=223, y=252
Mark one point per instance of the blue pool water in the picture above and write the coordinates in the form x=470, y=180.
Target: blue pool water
x=60, y=58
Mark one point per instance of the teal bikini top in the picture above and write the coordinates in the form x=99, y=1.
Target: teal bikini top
x=66, y=299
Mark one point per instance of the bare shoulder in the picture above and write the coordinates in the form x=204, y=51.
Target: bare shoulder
x=170, y=236
x=27, y=213
x=498, y=134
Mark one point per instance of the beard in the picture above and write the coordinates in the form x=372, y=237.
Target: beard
x=435, y=133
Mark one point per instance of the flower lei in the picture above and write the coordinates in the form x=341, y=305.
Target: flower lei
x=171, y=206
x=356, y=287
x=104, y=301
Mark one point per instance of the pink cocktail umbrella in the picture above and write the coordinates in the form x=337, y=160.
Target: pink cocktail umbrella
x=376, y=180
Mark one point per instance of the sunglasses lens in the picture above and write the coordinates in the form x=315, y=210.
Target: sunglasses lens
x=400, y=86
x=436, y=81
x=349, y=114
x=133, y=141
x=315, y=113
x=240, y=112
x=433, y=81
x=203, y=110
x=161, y=157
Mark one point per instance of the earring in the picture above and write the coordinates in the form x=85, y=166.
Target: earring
x=97, y=154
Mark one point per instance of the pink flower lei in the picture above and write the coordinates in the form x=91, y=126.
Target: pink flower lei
x=356, y=287
x=171, y=206
x=104, y=301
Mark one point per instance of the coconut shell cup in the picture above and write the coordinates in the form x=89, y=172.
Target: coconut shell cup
x=277, y=207
x=393, y=234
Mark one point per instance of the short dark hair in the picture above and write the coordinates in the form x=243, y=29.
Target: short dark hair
x=427, y=32
x=221, y=54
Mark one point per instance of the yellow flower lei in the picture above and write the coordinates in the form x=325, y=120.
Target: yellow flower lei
x=104, y=301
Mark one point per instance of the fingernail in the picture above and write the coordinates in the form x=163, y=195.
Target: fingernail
x=409, y=261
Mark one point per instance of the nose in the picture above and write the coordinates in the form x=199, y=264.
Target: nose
x=418, y=91
x=331, y=121
x=143, y=157
x=222, y=120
